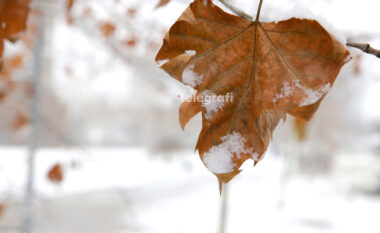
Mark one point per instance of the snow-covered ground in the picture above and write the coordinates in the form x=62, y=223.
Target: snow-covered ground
x=128, y=190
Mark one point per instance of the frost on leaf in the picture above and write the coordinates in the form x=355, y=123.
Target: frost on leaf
x=270, y=69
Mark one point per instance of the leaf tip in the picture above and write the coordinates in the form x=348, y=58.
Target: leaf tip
x=224, y=178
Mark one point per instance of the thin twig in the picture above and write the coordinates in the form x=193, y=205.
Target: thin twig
x=365, y=48
x=235, y=10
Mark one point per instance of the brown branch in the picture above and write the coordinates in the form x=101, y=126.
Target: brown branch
x=236, y=10
x=365, y=48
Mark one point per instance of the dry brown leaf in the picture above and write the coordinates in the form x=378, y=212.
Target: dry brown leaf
x=56, y=174
x=162, y=3
x=269, y=69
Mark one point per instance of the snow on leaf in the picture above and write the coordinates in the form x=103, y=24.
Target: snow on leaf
x=191, y=52
x=211, y=102
x=190, y=77
x=220, y=158
x=313, y=96
x=269, y=68
x=162, y=62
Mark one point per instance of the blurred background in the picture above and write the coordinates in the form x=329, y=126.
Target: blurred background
x=90, y=140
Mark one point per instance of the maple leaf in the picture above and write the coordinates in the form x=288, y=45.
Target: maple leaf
x=267, y=70
x=13, y=16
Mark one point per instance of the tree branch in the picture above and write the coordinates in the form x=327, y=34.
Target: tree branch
x=365, y=48
x=235, y=10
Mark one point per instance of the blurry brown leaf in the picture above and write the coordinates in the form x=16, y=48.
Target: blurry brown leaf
x=2, y=208
x=2, y=95
x=162, y=3
x=108, y=29
x=267, y=70
x=20, y=121
x=56, y=174
x=13, y=16
x=87, y=12
x=14, y=62
x=130, y=42
x=131, y=12
x=28, y=88
x=69, y=6
x=358, y=64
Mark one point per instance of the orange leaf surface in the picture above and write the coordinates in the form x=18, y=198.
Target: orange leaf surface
x=247, y=75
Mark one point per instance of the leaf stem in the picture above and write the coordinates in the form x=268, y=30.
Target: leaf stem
x=259, y=11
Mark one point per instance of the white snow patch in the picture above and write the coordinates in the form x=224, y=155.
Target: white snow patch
x=211, y=102
x=219, y=159
x=313, y=96
x=191, y=78
x=162, y=62
x=191, y=52
x=286, y=91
